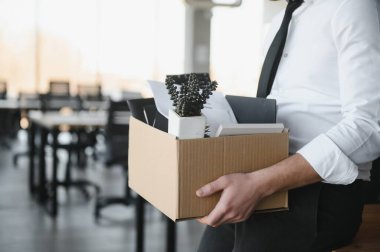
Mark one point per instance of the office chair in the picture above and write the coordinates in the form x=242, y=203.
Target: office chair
x=84, y=139
x=3, y=90
x=56, y=103
x=90, y=92
x=9, y=119
x=116, y=139
x=145, y=110
x=58, y=97
x=28, y=101
x=91, y=97
x=59, y=88
x=6, y=128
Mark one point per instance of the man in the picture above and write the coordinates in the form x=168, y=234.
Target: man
x=327, y=88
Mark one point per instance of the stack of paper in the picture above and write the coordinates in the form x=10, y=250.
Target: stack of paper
x=249, y=129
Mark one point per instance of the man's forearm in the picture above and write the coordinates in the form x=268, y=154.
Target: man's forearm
x=290, y=173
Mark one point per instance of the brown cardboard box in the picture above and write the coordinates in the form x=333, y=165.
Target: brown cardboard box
x=167, y=172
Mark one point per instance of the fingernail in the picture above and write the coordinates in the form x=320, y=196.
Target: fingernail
x=199, y=193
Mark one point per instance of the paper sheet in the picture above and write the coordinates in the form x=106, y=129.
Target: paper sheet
x=217, y=109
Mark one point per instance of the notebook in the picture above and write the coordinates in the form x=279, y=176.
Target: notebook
x=249, y=128
x=252, y=109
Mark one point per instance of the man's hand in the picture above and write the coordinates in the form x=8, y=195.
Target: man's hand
x=241, y=192
x=240, y=195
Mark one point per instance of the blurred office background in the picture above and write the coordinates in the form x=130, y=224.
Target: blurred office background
x=113, y=46
x=122, y=43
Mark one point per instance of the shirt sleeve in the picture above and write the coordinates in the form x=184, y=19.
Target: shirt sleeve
x=355, y=140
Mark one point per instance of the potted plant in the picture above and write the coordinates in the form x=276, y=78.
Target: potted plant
x=189, y=93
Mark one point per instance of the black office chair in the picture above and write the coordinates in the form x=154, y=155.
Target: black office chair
x=6, y=127
x=9, y=119
x=3, y=90
x=56, y=103
x=116, y=140
x=91, y=97
x=145, y=110
x=59, y=88
x=58, y=97
x=28, y=101
x=90, y=92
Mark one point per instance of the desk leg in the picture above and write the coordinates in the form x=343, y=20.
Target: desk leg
x=80, y=156
x=170, y=235
x=32, y=150
x=54, y=187
x=42, y=193
x=139, y=224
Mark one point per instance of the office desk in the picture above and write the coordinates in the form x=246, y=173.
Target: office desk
x=9, y=104
x=52, y=122
x=16, y=104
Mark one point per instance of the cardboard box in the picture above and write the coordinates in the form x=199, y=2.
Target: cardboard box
x=167, y=172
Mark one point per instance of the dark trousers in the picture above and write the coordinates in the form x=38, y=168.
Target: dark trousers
x=321, y=217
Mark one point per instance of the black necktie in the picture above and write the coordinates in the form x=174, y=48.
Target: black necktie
x=273, y=57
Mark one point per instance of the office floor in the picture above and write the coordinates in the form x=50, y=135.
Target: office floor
x=25, y=227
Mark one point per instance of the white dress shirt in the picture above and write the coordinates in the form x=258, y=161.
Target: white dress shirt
x=328, y=86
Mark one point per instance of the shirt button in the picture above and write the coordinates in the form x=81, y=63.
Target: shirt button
x=285, y=55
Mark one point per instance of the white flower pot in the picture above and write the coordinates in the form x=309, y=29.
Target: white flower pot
x=186, y=127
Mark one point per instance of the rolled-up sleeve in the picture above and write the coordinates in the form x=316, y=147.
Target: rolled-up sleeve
x=355, y=140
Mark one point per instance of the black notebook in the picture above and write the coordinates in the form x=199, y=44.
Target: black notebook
x=253, y=109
